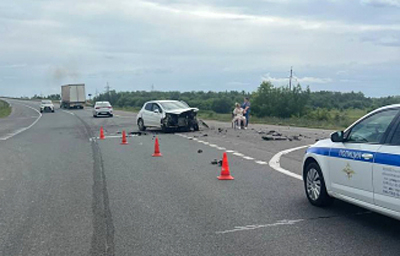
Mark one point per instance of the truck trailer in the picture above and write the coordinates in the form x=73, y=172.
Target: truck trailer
x=73, y=96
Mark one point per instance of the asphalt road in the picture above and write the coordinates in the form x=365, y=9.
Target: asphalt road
x=64, y=192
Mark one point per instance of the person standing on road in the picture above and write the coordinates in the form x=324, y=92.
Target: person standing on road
x=246, y=111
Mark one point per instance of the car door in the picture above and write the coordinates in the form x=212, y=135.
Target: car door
x=386, y=172
x=351, y=161
x=147, y=114
x=156, y=114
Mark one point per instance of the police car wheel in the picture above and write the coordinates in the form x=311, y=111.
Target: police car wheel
x=315, y=186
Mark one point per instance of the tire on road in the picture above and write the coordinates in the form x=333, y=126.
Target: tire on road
x=140, y=124
x=314, y=185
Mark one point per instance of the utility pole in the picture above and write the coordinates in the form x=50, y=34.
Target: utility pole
x=290, y=78
x=108, y=91
x=152, y=87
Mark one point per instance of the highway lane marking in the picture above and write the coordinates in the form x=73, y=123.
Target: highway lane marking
x=248, y=158
x=224, y=149
x=25, y=128
x=276, y=165
x=261, y=162
x=252, y=227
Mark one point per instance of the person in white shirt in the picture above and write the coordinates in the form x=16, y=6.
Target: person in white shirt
x=238, y=115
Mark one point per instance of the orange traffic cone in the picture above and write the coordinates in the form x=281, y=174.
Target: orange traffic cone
x=102, y=133
x=124, y=141
x=157, y=149
x=225, y=174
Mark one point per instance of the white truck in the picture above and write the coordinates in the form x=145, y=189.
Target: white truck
x=73, y=96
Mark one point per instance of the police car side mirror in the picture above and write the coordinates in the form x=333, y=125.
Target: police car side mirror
x=337, y=136
x=157, y=111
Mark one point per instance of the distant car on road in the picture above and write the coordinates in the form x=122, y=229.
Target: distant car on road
x=360, y=165
x=167, y=115
x=46, y=106
x=102, y=108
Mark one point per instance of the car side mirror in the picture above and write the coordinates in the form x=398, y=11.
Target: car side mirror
x=157, y=111
x=337, y=136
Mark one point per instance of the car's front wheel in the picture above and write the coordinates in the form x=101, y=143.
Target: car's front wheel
x=141, y=125
x=314, y=185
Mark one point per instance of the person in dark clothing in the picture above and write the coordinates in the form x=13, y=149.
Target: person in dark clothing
x=246, y=110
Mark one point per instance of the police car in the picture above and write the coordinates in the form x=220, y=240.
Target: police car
x=360, y=165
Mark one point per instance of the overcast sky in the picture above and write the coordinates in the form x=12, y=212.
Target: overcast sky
x=339, y=45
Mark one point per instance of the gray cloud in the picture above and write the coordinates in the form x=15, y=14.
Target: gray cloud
x=192, y=45
x=382, y=3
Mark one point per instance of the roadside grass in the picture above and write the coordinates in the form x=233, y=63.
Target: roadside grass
x=329, y=119
x=332, y=120
x=5, y=109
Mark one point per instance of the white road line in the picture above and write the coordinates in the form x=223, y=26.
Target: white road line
x=221, y=148
x=261, y=162
x=238, y=154
x=248, y=158
x=231, y=151
x=275, y=162
x=25, y=128
x=213, y=145
x=252, y=227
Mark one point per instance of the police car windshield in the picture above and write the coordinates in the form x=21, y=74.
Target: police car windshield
x=46, y=102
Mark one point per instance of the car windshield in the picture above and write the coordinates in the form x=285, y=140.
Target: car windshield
x=172, y=105
x=103, y=104
x=46, y=102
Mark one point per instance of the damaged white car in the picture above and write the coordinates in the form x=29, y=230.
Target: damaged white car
x=167, y=115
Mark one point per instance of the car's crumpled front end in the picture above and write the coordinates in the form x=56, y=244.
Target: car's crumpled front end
x=181, y=119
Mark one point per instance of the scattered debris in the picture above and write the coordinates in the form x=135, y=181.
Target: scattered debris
x=280, y=138
x=276, y=134
x=220, y=129
x=294, y=137
x=200, y=151
x=271, y=132
x=205, y=135
x=267, y=138
x=203, y=123
x=261, y=132
x=118, y=132
x=215, y=162
x=136, y=133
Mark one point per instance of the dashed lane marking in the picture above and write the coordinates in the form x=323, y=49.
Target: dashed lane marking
x=261, y=162
x=274, y=163
x=248, y=158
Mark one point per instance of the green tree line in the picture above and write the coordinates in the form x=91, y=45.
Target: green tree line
x=267, y=101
